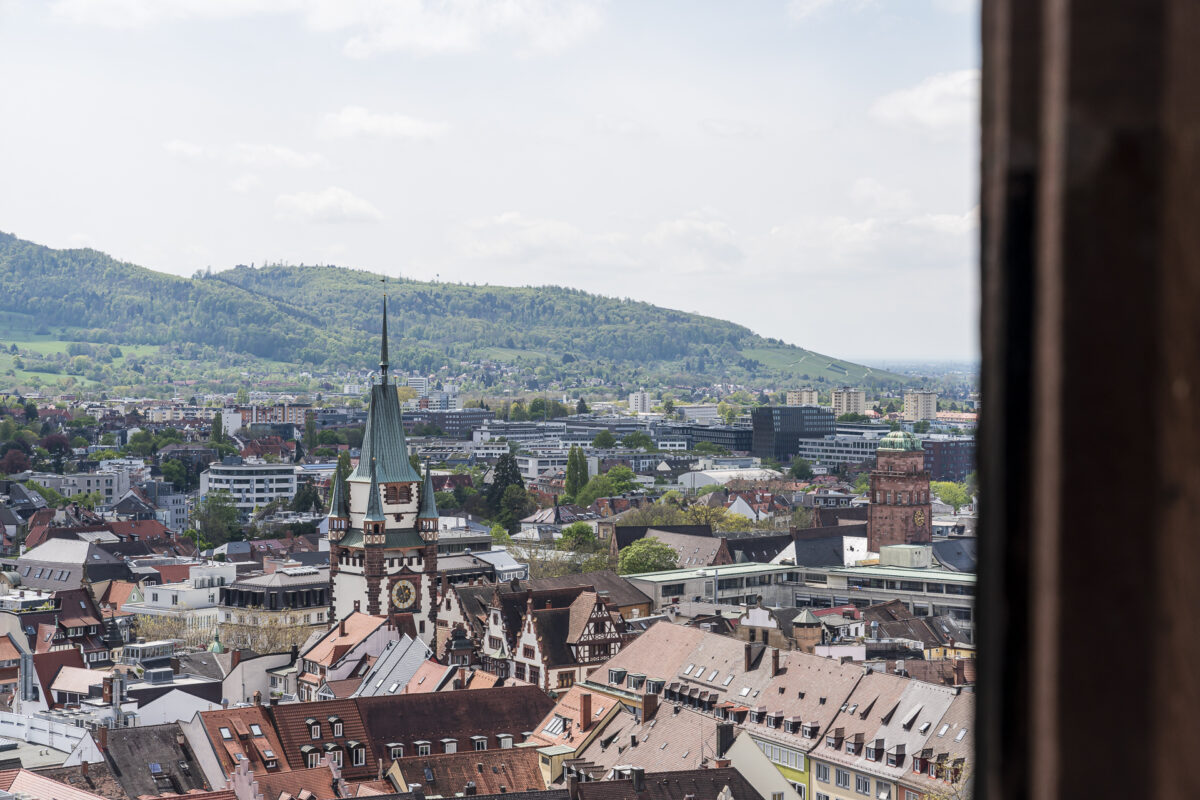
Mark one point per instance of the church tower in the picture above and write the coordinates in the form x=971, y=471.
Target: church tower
x=901, y=510
x=383, y=544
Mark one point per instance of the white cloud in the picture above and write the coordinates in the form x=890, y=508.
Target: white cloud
x=695, y=245
x=539, y=242
x=245, y=154
x=182, y=149
x=730, y=128
x=948, y=224
x=876, y=196
x=331, y=205
x=244, y=184
x=943, y=101
x=417, y=26
x=354, y=121
x=800, y=10
x=272, y=155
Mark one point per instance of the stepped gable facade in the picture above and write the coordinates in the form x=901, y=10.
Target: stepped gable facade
x=383, y=522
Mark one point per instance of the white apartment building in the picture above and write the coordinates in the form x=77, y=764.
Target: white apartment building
x=418, y=384
x=920, y=405
x=802, y=397
x=179, y=413
x=640, y=402
x=252, y=483
x=112, y=485
x=195, y=599
x=849, y=401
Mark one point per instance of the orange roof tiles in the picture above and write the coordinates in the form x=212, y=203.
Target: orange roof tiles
x=22, y=781
x=342, y=638
x=254, y=748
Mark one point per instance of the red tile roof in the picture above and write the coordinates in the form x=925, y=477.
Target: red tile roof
x=31, y=783
x=294, y=734
x=238, y=722
x=492, y=771
x=139, y=529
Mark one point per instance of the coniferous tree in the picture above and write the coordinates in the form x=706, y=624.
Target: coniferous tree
x=506, y=474
x=577, y=471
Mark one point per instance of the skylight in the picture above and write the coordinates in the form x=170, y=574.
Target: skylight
x=713, y=676
x=728, y=679
x=688, y=671
x=943, y=730
x=745, y=691
x=225, y=734
x=961, y=734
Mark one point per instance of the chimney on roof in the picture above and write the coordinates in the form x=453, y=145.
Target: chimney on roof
x=725, y=737
x=585, y=711
x=257, y=697
x=235, y=658
x=638, y=776
x=106, y=690
x=633, y=740
x=774, y=661
x=649, y=706
x=274, y=701
x=748, y=660
x=102, y=737
x=342, y=627
x=572, y=787
x=83, y=769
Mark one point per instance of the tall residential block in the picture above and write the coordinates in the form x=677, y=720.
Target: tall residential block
x=920, y=405
x=849, y=401
x=802, y=397
x=640, y=402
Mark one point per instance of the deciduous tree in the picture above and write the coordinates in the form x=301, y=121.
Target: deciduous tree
x=647, y=554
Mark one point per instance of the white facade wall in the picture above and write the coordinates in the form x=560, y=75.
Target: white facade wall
x=252, y=485
x=640, y=402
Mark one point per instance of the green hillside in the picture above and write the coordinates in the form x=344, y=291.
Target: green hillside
x=327, y=318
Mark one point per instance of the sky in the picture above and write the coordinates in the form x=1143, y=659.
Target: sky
x=807, y=168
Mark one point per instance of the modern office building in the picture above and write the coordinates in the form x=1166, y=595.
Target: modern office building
x=252, y=483
x=776, y=431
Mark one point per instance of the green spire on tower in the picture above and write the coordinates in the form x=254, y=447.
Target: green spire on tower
x=339, y=500
x=429, y=508
x=383, y=347
x=374, y=504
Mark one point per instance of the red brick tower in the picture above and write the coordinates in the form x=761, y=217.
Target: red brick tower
x=900, y=510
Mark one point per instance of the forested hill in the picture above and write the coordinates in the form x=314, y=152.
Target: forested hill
x=328, y=317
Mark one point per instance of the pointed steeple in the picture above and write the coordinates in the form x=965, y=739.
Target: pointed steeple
x=374, y=504
x=383, y=347
x=429, y=510
x=339, y=505
x=384, y=435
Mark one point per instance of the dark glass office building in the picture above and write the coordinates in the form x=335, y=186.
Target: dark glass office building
x=777, y=430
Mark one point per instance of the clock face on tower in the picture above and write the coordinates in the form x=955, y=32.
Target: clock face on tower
x=919, y=517
x=403, y=594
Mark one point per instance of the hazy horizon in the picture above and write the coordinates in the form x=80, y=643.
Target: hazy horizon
x=798, y=168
